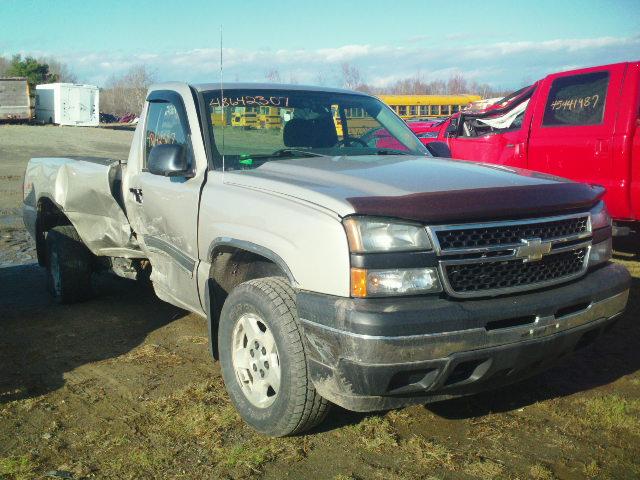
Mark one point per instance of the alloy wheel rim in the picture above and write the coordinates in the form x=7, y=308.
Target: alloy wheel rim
x=255, y=360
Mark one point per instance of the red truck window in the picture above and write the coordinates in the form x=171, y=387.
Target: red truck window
x=576, y=100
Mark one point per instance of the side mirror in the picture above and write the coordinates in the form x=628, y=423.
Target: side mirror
x=439, y=149
x=169, y=160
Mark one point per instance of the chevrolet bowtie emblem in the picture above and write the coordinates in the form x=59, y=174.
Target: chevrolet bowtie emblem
x=532, y=249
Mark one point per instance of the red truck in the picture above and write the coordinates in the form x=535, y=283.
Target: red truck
x=581, y=124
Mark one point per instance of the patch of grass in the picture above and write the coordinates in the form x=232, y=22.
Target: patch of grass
x=198, y=411
x=484, y=468
x=16, y=468
x=375, y=432
x=194, y=339
x=612, y=412
x=151, y=352
x=541, y=472
x=199, y=420
x=341, y=476
x=150, y=460
x=250, y=456
x=428, y=455
x=591, y=469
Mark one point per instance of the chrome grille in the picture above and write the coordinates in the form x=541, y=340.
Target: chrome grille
x=480, y=277
x=483, y=236
x=503, y=257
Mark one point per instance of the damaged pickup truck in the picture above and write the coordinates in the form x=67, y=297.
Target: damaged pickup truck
x=331, y=269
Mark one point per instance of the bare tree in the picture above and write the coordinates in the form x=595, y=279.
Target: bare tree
x=126, y=94
x=273, y=75
x=61, y=70
x=456, y=84
x=351, y=78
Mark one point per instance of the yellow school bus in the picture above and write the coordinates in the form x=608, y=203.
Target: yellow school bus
x=246, y=117
x=220, y=116
x=358, y=121
x=269, y=117
x=410, y=107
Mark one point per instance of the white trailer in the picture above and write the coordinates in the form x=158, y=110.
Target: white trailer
x=68, y=104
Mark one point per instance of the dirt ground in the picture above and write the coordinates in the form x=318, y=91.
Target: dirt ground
x=122, y=386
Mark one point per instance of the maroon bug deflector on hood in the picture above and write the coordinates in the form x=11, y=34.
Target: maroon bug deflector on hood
x=482, y=203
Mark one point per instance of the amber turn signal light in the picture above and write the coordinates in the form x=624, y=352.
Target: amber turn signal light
x=358, y=282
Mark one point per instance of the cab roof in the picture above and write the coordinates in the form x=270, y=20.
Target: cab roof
x=204, y=87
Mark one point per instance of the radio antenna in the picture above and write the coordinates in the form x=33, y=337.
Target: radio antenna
x=222, y=116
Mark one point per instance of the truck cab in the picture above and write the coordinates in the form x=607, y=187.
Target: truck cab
x=580, y=124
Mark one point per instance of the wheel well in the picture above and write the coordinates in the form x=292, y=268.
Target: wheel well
x=49, y=215
x=231, y=266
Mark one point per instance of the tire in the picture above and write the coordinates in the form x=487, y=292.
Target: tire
x=294, y=406
x=69, y=265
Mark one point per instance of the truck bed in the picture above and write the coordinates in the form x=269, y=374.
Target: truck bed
x=88, y=190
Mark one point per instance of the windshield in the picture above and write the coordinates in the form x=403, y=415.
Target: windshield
x=252, y=127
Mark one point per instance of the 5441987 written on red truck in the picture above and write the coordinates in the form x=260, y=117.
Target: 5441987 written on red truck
x=581, y=124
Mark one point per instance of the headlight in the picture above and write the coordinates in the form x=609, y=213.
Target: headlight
x=370, y=234
x=600, y=253
x=600, y=217
x=383, y=283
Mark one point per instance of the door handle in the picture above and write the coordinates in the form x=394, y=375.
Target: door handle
x=137, y=194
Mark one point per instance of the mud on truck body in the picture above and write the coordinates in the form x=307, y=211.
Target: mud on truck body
x=331, y=269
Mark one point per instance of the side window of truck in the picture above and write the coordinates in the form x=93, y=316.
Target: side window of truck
x=576, y=100
x=163, y=126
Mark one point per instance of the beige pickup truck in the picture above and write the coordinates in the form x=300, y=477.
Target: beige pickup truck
x=334, y=258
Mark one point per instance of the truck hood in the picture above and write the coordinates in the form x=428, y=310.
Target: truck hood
x=418, y=188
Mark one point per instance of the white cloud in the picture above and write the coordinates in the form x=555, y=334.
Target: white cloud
x=498, y=63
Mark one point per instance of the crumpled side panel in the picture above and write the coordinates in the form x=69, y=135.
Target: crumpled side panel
x=91, y=207
x=82, y=190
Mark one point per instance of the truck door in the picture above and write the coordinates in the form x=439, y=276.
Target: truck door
x=163, y=211
x=572, y=128
x=500, y=139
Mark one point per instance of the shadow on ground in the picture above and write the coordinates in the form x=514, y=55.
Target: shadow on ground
x=40, y=341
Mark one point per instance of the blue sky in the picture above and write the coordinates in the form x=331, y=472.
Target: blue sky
x=504, y=43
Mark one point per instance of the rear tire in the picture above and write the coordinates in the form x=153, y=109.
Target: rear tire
x=289, y=404
x=69, y=265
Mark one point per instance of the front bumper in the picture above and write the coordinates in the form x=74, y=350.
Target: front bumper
x=376, y=354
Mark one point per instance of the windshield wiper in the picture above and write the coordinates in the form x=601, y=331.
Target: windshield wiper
x=389, y=151
x=290, y=152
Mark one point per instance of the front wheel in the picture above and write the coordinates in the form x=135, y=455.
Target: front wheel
x=263, y=360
